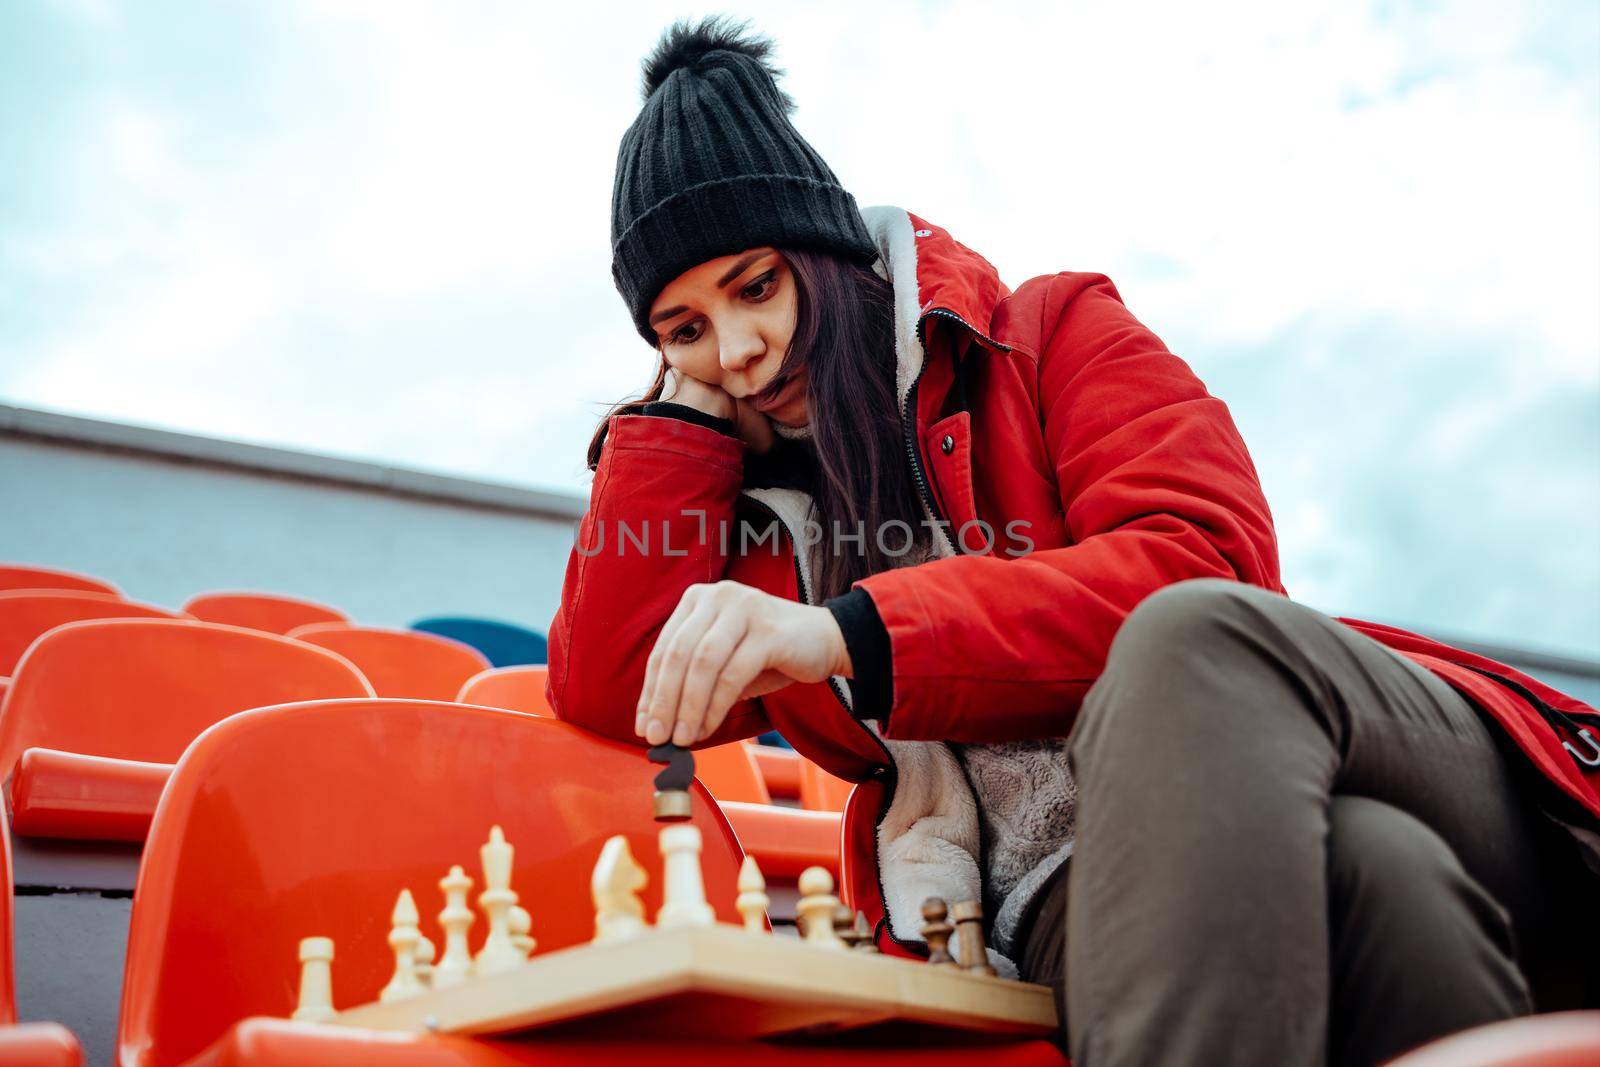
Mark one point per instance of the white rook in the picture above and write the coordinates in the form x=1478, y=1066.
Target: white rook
x=316, y=981
x=683, y=889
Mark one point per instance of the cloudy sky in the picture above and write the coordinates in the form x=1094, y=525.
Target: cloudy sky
x=380, y=229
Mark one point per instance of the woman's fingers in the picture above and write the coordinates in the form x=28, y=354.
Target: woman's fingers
x=664, y=671
x=724, y=642
x=747, y=663
x=707, y=665
x=652, y=663
x=754, y=427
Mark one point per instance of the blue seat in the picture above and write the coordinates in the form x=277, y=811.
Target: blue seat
x=505, y=644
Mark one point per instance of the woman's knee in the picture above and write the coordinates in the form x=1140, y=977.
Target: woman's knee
x=1171, y=639
x=1186, y=619
x=1180, y=631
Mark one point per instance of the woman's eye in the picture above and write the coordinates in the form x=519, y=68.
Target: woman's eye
x=761, y=287
x=684, y=335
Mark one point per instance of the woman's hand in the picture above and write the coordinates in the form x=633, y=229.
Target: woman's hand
x=726, y=642
x=748, y=423
x=680, y=388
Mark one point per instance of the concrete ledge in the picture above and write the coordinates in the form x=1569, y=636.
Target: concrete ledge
x=260, y=459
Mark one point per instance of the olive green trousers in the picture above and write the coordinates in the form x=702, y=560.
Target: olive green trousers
x=1295, y=847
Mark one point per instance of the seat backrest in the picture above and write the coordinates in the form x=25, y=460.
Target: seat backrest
x=142, y=689
x=307, y=820
x=399, y=663
x=27, y=613
x=512, y=688
x=505, y=644
x=270, y=612
x=22, y=576
x=821, y=791
x=730, y=772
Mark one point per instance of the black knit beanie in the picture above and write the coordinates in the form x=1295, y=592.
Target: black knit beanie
x=712, y=166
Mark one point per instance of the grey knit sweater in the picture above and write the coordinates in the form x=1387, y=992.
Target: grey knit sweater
x=1026, y=805
x=1026, y=800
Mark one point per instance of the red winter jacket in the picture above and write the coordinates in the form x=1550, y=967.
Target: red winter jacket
x=1128, y=475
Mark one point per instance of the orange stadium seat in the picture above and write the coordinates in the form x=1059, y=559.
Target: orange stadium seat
x=93, y=705
x=730, y=773
x=790, y=776
x=406, y=664
x=261, y=611
x=32, y=1044
x=514, y=688
x=341, y=810
x=22, y=576
x=780, y=770
x=1561, y=1039
x=821, y=791
x=27, y=613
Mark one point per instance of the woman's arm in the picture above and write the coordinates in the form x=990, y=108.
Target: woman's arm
x=662, y=491
x=1156, y=486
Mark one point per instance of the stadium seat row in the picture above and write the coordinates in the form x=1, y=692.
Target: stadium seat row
x=299, y=791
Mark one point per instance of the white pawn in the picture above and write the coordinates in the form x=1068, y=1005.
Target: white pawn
x=455, y=920
x=316, y=981
x=521, y=925
x=497, y=899
x=615, y=886
x=683, y=889
x=425, y=955
x=404, y=938
x=815, y=908
x=752, y=902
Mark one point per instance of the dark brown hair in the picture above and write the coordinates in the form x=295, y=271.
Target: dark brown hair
x=844, y=340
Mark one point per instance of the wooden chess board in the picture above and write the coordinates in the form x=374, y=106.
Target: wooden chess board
x=718, y=981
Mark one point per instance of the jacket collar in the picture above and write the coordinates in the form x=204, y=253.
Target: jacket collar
x=932, y=274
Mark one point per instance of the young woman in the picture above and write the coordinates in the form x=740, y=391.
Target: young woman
x=1000, y=558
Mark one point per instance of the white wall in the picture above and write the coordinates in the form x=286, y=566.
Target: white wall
x=165, y=516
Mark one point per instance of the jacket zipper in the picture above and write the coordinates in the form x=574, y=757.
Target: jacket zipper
x=908, y=421
x=908, y=416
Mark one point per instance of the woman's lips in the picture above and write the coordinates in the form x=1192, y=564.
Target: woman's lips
x=783, y=396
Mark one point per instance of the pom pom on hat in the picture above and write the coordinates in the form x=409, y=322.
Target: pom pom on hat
x=690, y=45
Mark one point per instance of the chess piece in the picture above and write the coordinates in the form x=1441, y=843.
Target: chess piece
x=683, y=889
x=936, y=931
x=456, y=918
x=671, y=800
x=404, y=937
x=497, y=899
x=425, y=954
x=615, y=886
x=844, y=926
x=521, y=924
x=816, y=907
x=969, y=938
x=316, y=981
x=752, y=902
x=864, y=941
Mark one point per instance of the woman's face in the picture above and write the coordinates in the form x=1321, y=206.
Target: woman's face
x=728, y=323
